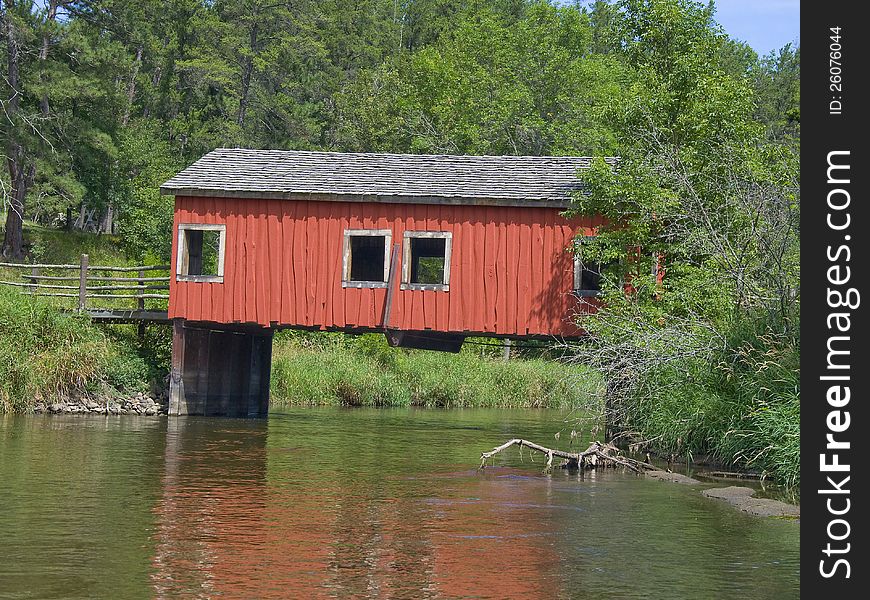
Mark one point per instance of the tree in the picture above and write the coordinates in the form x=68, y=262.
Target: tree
x=496, y=84
x=702, y=193
x=17, y=22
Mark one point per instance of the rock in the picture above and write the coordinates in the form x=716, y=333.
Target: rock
x=151, y=411
x=91, y=404
x=672, y=477
x=40, y=407
x=743, y=499
x=57, y=407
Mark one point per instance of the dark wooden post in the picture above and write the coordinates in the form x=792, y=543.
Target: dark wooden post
x=33, y=272
x=83, y=282
x=140, y=303
x=177, y=404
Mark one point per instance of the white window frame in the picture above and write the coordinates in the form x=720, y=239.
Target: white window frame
x=182, y=249
x=444, y=286
x=347, y=259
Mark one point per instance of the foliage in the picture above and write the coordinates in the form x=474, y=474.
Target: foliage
x=703, y=193
x=494, y=85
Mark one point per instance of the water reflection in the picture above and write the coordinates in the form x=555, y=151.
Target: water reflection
x=211, y=518
x=241, y=517
x=355, y=504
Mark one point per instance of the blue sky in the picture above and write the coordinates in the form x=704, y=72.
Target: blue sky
x=764, y=24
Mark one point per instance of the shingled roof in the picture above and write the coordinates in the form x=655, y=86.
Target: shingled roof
x=411, y=178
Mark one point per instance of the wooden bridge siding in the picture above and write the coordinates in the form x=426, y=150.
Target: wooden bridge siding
x=510, y=273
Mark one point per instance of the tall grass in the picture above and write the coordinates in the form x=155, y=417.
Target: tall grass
x=332, y=369
x=48, y=245
x=46, y=354
x=743, y=409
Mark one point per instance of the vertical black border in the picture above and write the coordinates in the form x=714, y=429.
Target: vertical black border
x=821, y=133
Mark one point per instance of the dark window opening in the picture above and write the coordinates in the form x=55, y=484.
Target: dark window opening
x=367, y=256
x=590, y=277
x=428, y=259
x=201, y=253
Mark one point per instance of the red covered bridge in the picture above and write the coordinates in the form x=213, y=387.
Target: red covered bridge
x=428, y=249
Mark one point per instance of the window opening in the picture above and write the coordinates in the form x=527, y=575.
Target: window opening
x=201, y=252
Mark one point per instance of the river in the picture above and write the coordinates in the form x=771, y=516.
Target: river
x=356, y=503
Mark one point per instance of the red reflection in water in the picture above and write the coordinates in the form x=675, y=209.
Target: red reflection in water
x=224, y=528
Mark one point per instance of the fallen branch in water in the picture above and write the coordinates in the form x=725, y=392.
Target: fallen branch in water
x=596, y=455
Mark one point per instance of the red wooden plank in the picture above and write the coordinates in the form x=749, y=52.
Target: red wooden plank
x=404, y=299
x=477, y=277
x=250, y=307
x=513, y=275
x=501, y=269
x=262, y=265
x=300, y=243
x=232, y=273
x=311, y=267
x=276, y=269
x=173, y=308
x=337, y=258
x=322, y=261
x=549, y=281
x=288, y=296
x=183, y=217
x=327, y=260
x=490, y=288
x=460, y=282
x=536, y=247
x=524, y=278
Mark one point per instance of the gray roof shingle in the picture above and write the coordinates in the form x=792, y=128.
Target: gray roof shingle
x=411, y=178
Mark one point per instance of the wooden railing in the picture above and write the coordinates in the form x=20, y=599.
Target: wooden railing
x=86, y=282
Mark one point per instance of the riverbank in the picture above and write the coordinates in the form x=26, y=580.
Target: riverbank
x=53, y=361
x=337, y=370
x=141, y=403
x=49, y=357
x=740, y=408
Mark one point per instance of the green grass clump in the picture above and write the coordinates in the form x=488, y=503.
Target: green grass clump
x=46, y=354
x=332, y=369
x=743, y=409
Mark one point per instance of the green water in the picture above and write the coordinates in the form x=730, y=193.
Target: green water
x=330, y=503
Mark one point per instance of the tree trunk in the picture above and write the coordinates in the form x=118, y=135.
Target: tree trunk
x=21, y=178
x=131, y=86
x=247, y=72
x=20, y=175
x=108, y=225
x=43, y=54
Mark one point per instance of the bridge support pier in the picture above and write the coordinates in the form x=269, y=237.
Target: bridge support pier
x=220, y=370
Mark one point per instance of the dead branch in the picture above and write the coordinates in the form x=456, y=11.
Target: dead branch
x=595, y=456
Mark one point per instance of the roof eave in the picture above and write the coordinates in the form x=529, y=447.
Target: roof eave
x=374, y=198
